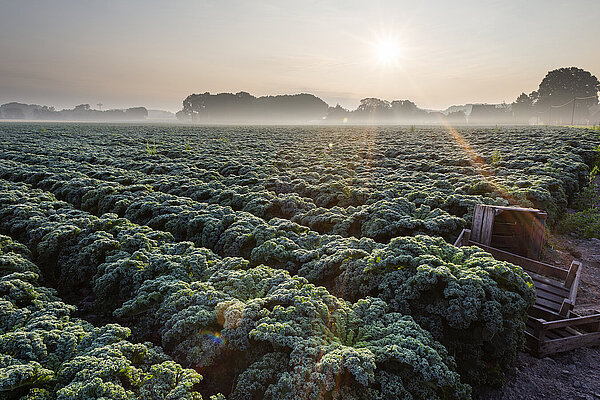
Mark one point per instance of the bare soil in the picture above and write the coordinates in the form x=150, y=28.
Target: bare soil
x=574, y=374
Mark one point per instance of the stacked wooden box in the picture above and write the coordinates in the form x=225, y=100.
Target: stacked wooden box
x=517, y=235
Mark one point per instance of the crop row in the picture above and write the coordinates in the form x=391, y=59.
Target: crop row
x=381, y=221
x=249, y=169
x=362, y=221
x=464, y=297
x=47, y=354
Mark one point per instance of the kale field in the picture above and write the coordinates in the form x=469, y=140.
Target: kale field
x=181, y=262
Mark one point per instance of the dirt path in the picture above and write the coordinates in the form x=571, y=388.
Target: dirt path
x=570, y=375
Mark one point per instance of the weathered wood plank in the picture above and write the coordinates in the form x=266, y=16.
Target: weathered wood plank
x=477, y=223
x=565, y=307
x=504, y=228
x=504, y=241
x=543, y=294
x=573, y=332
x=572, y=273
x=538, y=237
x=466, y=236
x=539, y=312
x=555, y=306
x=568, y=343
x=463, y=238
x=552, y=335
x=527, y=263
x=589, y=319
x=553, y=287
x=575, y=285
x=532, y=210
x=488, y=225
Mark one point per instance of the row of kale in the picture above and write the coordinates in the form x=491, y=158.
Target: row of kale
x=472, y=310
x=252, y=332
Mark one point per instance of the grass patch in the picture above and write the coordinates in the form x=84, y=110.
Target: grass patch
x=586, y=221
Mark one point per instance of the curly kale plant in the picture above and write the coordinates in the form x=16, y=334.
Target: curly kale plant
x=46, y=354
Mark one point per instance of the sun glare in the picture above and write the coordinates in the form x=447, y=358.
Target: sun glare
x=387, y=51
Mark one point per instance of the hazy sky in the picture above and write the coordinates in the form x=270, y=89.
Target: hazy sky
x=155, y=53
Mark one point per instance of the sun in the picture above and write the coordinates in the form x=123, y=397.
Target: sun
x=386, y=51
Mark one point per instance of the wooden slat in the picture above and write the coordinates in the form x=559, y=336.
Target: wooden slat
x=548, y=304
x=487, y=226
x=539, y=331
x=507, y=217
x=550, y=282
x=575, y=286
x=466, y=236
x=538, y=312
x=568, y=343
x=504, y=228
x=554, y=289
x=565, y=307
x=477, y=223
x=532, y=210
x=572, y=273
x=551, y=335
x=531, y=343
x=573, y=332
x=529, y=324
x=544, y=294
x=565, y=332
x=527, y=263
x=538, y=237
x=500, y=241
x=589, y=319
x=463, y=238
x=459, y=239
x=507, y=249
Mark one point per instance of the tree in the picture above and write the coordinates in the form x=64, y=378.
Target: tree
x=561, y=86
x=82, y=107
x=337, y=114
x=372, y=109
x=523, y=107
x=136, y=113
x=456, y=117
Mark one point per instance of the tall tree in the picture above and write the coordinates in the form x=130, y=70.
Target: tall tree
x=561, y=86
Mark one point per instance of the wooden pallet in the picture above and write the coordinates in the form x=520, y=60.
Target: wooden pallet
x=552, y=325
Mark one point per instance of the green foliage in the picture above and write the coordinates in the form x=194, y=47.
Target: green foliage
x=46, y=354
x=473, y=304
x=272, y=268
x=212, y=313
x=151, y=149
x=585, y=223
x=295, y=338
x=496, y=157
x=586, y=220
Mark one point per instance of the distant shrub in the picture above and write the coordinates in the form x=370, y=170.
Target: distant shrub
x=586, y=222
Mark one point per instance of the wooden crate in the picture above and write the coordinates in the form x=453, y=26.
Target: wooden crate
x=556, y=288
x=549, y=333
x=552, y=326
x=515, y=230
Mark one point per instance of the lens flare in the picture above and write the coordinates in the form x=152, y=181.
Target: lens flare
x=214, y=337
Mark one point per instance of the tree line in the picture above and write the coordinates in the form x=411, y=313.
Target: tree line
x=565, y=95
x=82, y=112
